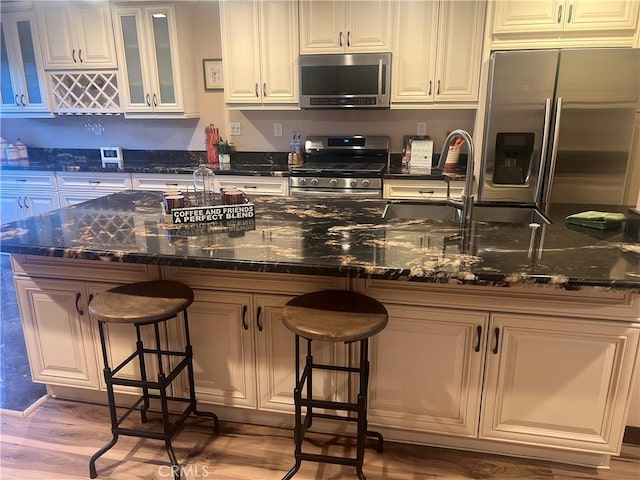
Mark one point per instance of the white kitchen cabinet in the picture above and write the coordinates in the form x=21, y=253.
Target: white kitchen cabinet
x=77, y=187
x=260, y=53
x=435, y=357
x=58, y=332
x=557, y=382
x=411, y=189
x=62, y=340
x=339, y=26
x=154, y=43
x=162, y=182
x=244, y=356
x=549, y=23
x=437, y=49
x=254, y=185
x=76, y=35
x=26, y=193
x=22, y=84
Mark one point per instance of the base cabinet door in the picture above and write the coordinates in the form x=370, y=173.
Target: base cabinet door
x=221, y=334
x=58, y=332
x=243, y=354
x=557, y=382
x=426, y=370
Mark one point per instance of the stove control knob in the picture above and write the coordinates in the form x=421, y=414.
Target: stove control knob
x=353, y=183
x=333, y=182
x=302, y=181
x=365, y=183
x=314, y=182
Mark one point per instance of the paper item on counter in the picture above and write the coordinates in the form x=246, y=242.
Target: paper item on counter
x=421, y=153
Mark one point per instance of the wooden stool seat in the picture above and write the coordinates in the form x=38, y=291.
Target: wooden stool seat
x=334, y=316
x=142, y=302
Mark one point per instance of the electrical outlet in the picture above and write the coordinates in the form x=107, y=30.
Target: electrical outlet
x=235, y=129
x=277, y=129
x=421, y=128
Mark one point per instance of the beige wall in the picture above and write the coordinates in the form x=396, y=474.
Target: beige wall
x=257, y=126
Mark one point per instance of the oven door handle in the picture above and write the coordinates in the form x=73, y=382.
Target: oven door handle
x=372, y=193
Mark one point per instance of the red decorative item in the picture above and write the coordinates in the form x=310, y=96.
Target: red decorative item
x=213, y=137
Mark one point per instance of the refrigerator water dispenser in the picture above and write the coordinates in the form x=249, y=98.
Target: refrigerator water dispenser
x=513, y=158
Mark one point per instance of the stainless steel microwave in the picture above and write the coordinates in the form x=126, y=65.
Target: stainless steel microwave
x=359, y=80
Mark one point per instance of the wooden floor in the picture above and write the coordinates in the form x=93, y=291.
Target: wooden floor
x=56, y=441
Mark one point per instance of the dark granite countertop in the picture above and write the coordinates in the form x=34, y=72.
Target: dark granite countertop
x=152, y=161
x=338, y=237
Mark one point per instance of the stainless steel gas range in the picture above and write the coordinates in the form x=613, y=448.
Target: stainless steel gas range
x=341, y=165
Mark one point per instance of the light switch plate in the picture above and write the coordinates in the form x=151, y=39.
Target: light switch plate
x=421, y=128
x=277, y=129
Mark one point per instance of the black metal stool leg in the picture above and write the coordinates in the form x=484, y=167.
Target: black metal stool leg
x=143, y=375
x=112, y=405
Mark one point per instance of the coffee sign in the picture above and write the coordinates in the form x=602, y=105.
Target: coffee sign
x=213, y=213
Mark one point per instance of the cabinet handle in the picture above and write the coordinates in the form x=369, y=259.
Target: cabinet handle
x=479, y=332
x=340, y=39
x=26, y=202
x=81, y=312
x=430, y=85
x=21, y=180
x=348, y=39
x=249, y=186
x=90, y=298
x=94, y=182
x=559, y=14
x=148, y=100
x=155, y=100
x=17, y=102
x=264, y=89
x=73, y=55
x=258, y=322
x=19, y=203
x=497, y=334
x=170, y=184
x=80, y=56
x=257, y=94
x=438, y=90
x=22, y=100
x=244, y=318
x=570, y=12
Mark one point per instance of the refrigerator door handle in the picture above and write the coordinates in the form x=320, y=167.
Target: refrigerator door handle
x=543, y=151
x=554, y=155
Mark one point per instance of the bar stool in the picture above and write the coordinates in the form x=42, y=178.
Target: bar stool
x=334, y=316
x=147, y=303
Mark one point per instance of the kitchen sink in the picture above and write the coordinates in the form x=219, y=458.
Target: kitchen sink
x=423, y=211
x=508, y=214
x=521, y=215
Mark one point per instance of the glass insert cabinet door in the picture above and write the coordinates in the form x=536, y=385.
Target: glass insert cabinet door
x=147, y=45
x=21, y=87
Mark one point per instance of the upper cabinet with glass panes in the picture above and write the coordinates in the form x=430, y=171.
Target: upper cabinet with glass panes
x=153, y=42
x=22, y=87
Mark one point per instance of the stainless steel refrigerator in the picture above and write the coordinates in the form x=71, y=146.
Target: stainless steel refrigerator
x=558, y=126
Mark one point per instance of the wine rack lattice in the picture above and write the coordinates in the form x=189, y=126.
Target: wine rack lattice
x=86, y=92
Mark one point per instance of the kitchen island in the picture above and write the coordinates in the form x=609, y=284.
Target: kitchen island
x=510, y=338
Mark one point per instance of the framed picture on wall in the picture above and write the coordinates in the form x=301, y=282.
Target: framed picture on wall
x=212, y=74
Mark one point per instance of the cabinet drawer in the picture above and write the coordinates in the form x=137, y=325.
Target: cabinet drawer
x=421, y=189
x=103, y=181
x=254, y=185
x=30, y=179
x=153, y=181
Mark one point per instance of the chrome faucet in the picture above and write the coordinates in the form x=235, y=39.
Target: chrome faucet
x=467, y=196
